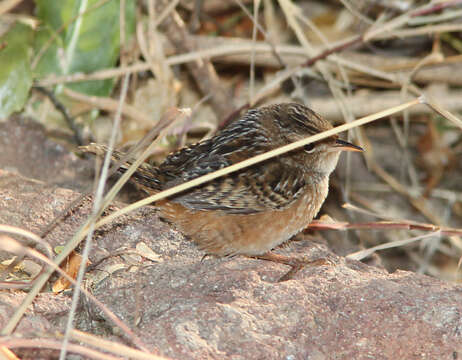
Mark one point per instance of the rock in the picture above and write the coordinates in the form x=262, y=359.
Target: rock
x=184, y=307
x=26, y=149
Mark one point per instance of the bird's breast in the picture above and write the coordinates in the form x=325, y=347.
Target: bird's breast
x=249, y=234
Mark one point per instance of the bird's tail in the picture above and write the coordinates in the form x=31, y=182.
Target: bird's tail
x=147, y=175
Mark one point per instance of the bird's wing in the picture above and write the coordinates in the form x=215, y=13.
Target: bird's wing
x=269, y=186
x=191, y=162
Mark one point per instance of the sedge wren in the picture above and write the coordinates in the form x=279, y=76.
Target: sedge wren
x=254, y=210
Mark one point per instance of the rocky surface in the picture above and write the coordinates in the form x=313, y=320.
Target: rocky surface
x=233, y=308
x=26, y=148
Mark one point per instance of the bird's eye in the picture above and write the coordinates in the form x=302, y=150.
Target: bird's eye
x=309, y=148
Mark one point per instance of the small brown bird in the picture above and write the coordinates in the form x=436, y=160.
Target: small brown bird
x=254, y=210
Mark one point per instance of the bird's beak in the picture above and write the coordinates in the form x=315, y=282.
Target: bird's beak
x=346, y=146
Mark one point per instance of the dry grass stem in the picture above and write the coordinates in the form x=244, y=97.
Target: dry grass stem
x=13, y=246
x=236, y=51
x=165, y=12
x=386, y=225
x=252, y=161
x=359, y=255
x=111, y=105
x=112, y=347
x=98, y=198
x=29, y=235
x=442, y=111
x=47, y=343
x=7, y=5
x=423, y=30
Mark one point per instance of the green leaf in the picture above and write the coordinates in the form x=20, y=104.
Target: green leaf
x=15, y=72
x=49, y=61
x=91, y=41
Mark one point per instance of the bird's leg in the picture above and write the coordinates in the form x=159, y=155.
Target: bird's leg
x=295, y=263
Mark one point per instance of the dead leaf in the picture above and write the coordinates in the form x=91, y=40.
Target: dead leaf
x=71, y=267
x=147, y=252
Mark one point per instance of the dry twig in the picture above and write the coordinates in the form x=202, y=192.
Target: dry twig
x=201, y=70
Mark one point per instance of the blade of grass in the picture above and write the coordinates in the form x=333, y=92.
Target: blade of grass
x=254, y=160
x=443, y=112
x=97, y=205
x=365, y=253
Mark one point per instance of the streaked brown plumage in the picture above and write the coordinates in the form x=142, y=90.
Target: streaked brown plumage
x=258, y=208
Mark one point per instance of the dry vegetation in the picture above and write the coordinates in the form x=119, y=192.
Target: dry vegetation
x=186, y=68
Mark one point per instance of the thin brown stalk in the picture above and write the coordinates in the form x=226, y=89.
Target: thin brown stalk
x=46, y=343
x=108, y=104
x=254, y=160
x=443, y=112
x=13, y=246
x=432, y=8
x=112, y=347
x=383, y=225
x=359, y=255
x=7, y=5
